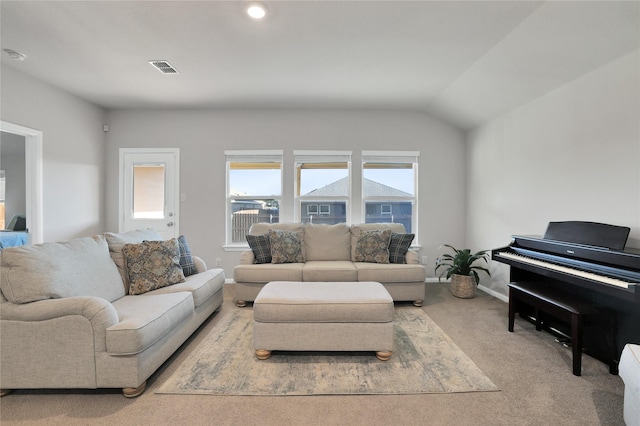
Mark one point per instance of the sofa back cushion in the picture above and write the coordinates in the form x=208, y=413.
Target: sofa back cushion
x=263, y=228
x=79, y=267
x=327, y=242
x=117, y=241
x=356, y=230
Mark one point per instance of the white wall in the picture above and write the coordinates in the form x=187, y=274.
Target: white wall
x=204, y=135
x=73, y=151
x=573, y=154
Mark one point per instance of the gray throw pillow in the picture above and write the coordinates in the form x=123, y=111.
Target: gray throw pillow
x=399, y=246
x=186, y=260
x=261, y=247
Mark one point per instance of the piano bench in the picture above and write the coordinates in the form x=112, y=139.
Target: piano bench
x=559, y=306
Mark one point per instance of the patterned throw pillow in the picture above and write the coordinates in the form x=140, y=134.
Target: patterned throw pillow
x=152, y=264
x=399, y=246
x=373, y=246
x=286, y=246
x=186, y=261
x=261, y=247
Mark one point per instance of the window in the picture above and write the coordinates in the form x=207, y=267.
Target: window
x=322, y=186
x=254, y=191
x=319, y=190
x=148, y=191
x=389, y=187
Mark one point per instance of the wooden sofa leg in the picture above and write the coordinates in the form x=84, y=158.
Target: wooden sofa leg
x=383, y=355
x=417, y=303
x=134, y=392
x=5, y=392
x=241, y=303
x=263, y=354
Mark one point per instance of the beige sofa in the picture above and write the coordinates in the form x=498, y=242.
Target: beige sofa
x=67, y=321
x=329, y=251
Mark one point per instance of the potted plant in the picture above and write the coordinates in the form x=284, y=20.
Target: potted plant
x=459, y=267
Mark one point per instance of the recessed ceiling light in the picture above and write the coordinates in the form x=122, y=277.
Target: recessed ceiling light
x=16, y=56
x=256, y=10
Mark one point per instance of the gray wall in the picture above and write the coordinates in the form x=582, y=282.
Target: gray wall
x=204, y=135
x=73, y=151
x=12, y=161
x=573, y=154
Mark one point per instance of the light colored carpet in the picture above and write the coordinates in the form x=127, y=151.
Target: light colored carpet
x=425, y=360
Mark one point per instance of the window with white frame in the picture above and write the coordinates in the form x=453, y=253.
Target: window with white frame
x=254, y=191
x=323, y=180
x=389, y=187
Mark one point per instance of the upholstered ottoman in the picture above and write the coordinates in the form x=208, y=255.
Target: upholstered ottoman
x=323, y=316
x=630, y=372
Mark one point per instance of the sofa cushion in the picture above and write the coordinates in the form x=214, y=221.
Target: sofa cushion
x=261, y=247
x=286, y=246
x=152, y=264
x=78, y=267
x=329, y=270
x=146, y=319
x=358, y=228
x=398, y=247
x=373, y=246
x=201, y=286
x=265, y=272
x=327, y=242
x=117, y=241
x=390, y=273
x=324, y=302
x=186, y=259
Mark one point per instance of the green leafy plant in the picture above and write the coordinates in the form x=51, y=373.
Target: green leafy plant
x=461, y=263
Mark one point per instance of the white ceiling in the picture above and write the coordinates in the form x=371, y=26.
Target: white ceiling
x=463, y=61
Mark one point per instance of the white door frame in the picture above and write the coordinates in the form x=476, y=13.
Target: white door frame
x=176, y=190
x=33, y=178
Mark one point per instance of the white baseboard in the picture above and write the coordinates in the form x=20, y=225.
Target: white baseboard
x=494, y=293
x=487, y=290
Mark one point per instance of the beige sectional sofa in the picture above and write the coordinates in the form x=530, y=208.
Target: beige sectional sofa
x=329, y=253
x=67, y=319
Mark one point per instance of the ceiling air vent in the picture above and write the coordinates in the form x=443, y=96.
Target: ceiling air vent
x=164, y=67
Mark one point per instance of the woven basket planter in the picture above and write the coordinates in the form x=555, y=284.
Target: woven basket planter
x=463, y=286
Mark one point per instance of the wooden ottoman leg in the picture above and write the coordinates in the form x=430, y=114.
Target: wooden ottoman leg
x=263, y=354
x=383, y=355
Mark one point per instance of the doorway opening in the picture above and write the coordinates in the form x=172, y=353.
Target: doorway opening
x=33, y=177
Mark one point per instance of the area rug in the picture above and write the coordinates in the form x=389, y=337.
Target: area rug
x=425, y=360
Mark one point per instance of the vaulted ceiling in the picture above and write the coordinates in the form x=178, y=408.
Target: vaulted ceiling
x=463, y=61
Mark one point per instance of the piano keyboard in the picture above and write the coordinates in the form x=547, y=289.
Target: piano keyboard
x=576, y=272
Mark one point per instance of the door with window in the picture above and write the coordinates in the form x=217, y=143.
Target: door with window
x=149, y=187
